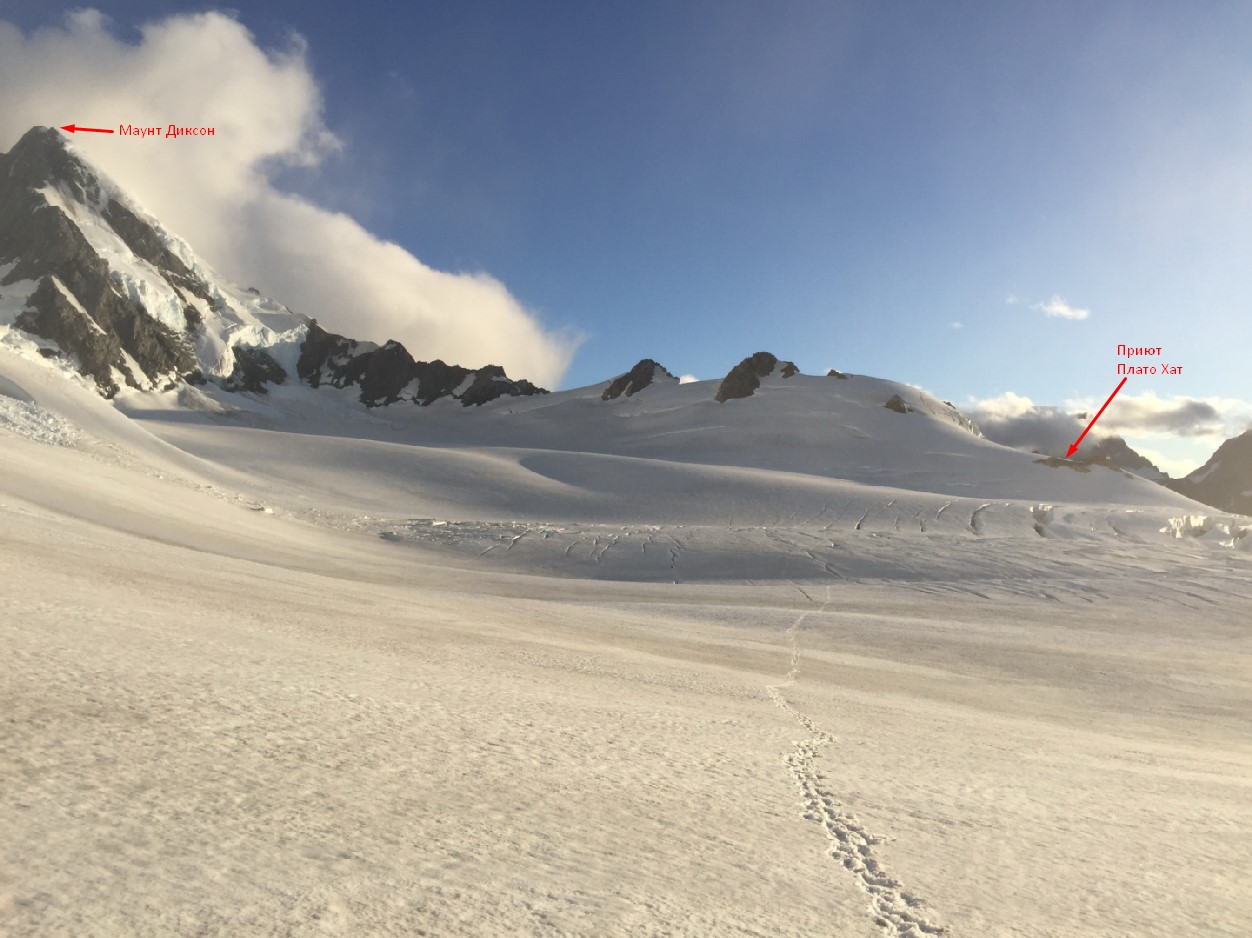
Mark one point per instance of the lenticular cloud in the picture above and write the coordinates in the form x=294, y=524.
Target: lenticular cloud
x=265, y=106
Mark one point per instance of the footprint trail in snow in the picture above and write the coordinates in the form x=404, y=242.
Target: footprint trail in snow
x=895, y=909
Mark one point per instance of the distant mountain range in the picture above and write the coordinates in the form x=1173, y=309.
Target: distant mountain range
x=91, y=280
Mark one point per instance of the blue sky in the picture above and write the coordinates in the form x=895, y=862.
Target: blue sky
x=840, y=184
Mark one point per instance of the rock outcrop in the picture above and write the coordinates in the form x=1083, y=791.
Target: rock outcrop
x=327, y=358
x=635, y=380
x=898, y=404
x=254, y=369
x=51, y=314
x=743, y=380
x=389, y=374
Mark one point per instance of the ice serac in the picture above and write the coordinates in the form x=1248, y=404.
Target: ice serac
x=635, y=380
x=99, y=282
x=1225, y=481
x=743, y=380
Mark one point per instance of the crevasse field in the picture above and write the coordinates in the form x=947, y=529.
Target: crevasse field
x=791, y=665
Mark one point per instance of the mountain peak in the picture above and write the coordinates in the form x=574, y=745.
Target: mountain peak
x=632, y=382
x=105, y=288
x=43, y=156
x=745, y=377
x=42, y=140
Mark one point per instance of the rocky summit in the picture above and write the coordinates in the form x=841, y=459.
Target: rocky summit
x=743, y=380
x=635, y=380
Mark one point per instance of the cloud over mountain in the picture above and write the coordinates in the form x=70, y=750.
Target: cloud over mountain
x=1017, y=421
x=1172, y=416
x=1013, y=420
x=207, y=70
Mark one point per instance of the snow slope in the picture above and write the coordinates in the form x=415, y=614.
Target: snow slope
x=810, y=477
x=793, y=665
x=811, y=426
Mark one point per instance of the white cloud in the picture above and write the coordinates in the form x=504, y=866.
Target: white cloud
x=955, y=325
x=1013, y=420
x=265, y=105
x=1175, y=466
x=1149, y=415
x=1012, y=299
x=1057, y=307
x=1007, y=405
x=1017, y=421
x=687, y=379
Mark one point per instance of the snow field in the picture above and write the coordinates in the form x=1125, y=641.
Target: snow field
x=614, y=692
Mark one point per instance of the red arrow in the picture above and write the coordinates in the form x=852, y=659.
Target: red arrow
x=1074, y=446
x=94, y=130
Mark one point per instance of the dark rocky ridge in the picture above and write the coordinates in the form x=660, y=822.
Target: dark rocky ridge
x=389, y=374
x=332, y=359
x=743, y=380
x=1225, y=481
x=51, y=315
x=635, y=380
x=254, y=369
x=141, y=239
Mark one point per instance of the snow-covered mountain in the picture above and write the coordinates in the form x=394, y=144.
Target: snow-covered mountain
x=91, y=284
x=87, y=276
